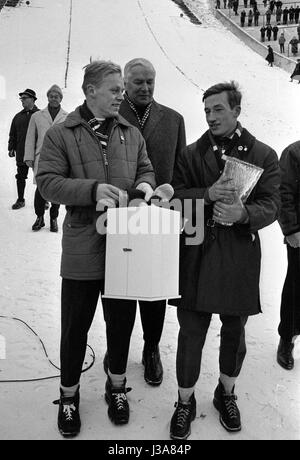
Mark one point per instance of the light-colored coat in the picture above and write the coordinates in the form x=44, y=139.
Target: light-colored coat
x=38, y=126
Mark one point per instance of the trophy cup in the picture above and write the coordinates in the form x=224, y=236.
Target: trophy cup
x=244, y=175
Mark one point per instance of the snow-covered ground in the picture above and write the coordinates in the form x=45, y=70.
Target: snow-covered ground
x=188, y=59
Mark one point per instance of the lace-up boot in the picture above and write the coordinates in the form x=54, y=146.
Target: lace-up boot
x=184, y=414
x=227, y=407
x=118, y=407
x=68, y=415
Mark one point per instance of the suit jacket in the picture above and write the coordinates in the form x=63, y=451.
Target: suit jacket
x=164, y=133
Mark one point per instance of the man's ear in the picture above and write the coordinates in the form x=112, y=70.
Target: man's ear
x=237, y=111
x=90, y=90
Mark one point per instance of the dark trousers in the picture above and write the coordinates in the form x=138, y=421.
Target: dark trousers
x=21, y=176
x=289, y=325
x=191, y=339
x=39, y=206
x=152, y=318
x=78, y=305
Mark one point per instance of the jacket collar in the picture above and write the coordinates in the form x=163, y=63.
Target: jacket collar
x=74, y=119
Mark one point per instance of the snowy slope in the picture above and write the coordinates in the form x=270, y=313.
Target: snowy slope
x=188, y=59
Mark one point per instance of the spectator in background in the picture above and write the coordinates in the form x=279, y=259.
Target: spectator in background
x=278, y=15
x=243, y=17
x=281, y=41
x=256, y=17
x=294, y=45
x=39, y=124
x=225, y=2
x=291, y=14
x=285, y=14
x=297, y=12
x=262, y=33
x=275, y=32
x=270, y=56
x=289, y=220
x=268, y=16
x=298, y=31
x=245, y=3
x=16, y=141
x=269, y=32
x=235, y=7
x=250, y=18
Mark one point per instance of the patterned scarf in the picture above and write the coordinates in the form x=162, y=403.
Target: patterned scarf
x=100, y=127
x=141, y=120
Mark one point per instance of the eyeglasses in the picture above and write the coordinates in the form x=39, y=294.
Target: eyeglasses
x=24, y=98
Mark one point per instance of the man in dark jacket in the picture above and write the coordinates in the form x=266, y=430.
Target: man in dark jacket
x=220, y=276
x=164, y=132
x=16, y=142
x=92, y=156
x=289, y=219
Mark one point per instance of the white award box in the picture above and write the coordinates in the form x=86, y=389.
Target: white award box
x=142, y=253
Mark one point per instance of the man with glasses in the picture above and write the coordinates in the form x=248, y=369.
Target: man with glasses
x=16, y=142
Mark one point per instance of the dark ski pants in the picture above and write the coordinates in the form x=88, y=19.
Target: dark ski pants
x=78, y=305
x=191, y=339
x=21, y=176
x=39, y=206
x=289, y=325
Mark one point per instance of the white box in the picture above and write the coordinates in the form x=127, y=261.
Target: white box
x=142, y=253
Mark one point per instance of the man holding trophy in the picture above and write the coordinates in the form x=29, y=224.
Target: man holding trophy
x=238, y=178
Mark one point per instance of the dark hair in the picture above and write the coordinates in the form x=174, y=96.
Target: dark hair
x=234, y=95
x=96, y=71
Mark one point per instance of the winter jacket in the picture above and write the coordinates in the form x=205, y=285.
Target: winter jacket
x=164, y=133
x=71, y=166
x=39, y=123
x=289, y=218
x=18, y=130
x=222, y=274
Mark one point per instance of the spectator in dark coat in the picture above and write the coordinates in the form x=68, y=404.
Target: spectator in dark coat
x=164, y=132
x=289, y=220
x=270, y=56
x=256, y=17
x=250, y=18
x=269, y=32
x=297, y=12
x=275, y=32
x=262, y=33
x=278, y=15
x=243, y=16
x=298, y=31
x=291, y=14
x=285, y=14
x=16, y=142
x=294, y=45
x=268, y=16
x=220, y=276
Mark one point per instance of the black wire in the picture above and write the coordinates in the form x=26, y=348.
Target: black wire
x=45, y=351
